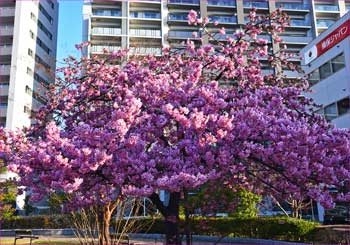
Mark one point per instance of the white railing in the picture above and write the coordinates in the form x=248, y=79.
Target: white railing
x=106, y=31
x=5, y=69
x=5, y=49
x=7, y=11
x=144, y=32
x=101, y=48
x=6, y=30
x=145, y=51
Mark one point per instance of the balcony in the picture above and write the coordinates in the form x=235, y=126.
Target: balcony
x=106, y=31
x=222, y=3
x=4, y=89
x=181, y=34
x=102, y=48
x=6, y=30
x=293, y=6
x=255, y=4
x=184, y=2
x=177, y=17
x=296, y=40
x=145, y=51
x=327, y=8
x=145, y=33
x=5, y=70
x=7, y=11
x=145, y=15
x=5, y=49
x=107, y=12
x=3, y=110
x=224, y=19
x=324, y=23
x=300, y=23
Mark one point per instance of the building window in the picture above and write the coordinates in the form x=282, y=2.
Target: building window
x=327, y=69
x=27, y=110
x=29, y=71
x=314, y=77
x=343, y=106
x=52, y=5
x=45, y=30
x=335, y=109
x=28, y=90
x=30, y=52
x=32, y=16
x=31, y=34
x=330, y=111
x=338, y=63
x=43, y=46
x=45, y=13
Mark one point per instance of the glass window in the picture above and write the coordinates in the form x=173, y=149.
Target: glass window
x=30, y=52
x=330, y=111
x=314, y=77
x=343, y=106
x=325, y=70
x=338, y=62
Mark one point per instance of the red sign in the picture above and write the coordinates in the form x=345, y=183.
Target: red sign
x=333, y=38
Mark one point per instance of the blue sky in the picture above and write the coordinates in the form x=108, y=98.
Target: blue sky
x=69, y=28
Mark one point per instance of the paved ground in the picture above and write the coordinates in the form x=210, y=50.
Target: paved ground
x=60, y=240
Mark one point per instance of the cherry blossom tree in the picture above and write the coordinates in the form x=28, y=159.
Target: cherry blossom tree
x=132, y=126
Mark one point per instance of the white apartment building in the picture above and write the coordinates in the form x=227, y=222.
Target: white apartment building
x=144, y=26
x=28, y=41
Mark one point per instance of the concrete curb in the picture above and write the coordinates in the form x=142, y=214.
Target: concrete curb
x=69, y=232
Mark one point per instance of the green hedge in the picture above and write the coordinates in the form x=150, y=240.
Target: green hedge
x=37, y=222
x=276, y=228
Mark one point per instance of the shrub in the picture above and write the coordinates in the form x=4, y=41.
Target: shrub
x=276, y=228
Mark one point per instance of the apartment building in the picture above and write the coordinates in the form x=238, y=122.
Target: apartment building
x=144, y=26
x=28, y=40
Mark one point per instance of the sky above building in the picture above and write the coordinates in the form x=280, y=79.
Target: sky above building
x=69, y=28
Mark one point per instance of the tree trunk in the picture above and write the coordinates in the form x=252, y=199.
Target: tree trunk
x=187, y=220
x=171, y=215
x=104, y=221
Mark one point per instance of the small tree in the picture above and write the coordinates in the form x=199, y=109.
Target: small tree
x=164, y=123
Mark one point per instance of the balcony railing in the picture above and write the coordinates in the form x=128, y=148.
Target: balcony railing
x=300, y=23
x=319, y=7
x=4, y=89
x=293, y=6
x=106, y=31
x=5, y=49
x=7, y=11
x=184, y=1
x=324, y=23
x=247, y=4
x=225, y=3
x=181, y=17
x=6, y=30
x=3, y=110
x=223, y=19
x=107, y=12
x=146, y=33
x=145, y=51
x=181, y=34
x=145, y=15
x=5, y=69
x=102, y=48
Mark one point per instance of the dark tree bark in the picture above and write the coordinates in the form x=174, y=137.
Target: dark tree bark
x=171, y=216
